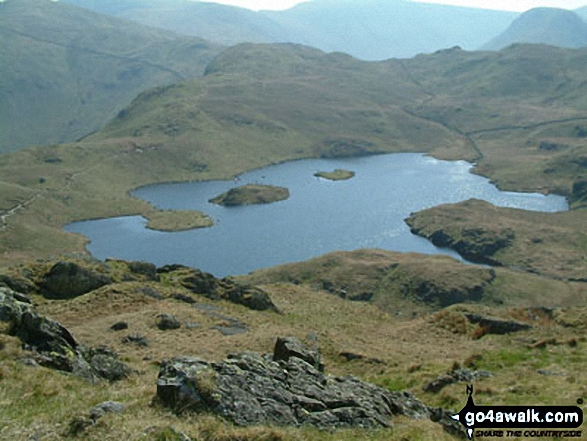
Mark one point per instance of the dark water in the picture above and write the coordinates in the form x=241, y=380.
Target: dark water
x=320, y=216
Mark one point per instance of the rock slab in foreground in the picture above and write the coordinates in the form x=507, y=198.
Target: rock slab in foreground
x=253, y=389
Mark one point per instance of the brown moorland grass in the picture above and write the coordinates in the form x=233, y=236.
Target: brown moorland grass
x=399, y=353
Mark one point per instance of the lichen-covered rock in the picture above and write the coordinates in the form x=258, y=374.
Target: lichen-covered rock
x=228, y=289
x=288, y=347
x=279, y=389
x=250, y=389
x=66, y=280
x=54, y=345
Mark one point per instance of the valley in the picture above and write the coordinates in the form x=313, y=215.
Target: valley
x=99, y=349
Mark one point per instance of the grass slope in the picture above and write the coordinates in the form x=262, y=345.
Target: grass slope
x=398, y=354
x=262, y=104
x=66, y=71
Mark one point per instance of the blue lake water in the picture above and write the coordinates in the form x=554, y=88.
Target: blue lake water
x=321, y=216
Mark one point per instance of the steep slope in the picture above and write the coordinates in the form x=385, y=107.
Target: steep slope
x=373, y=30
x=556, y=27
x=66, y=70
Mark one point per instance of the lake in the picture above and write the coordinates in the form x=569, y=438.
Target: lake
x=321, y=216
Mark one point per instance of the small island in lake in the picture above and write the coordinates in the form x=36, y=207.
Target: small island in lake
x=251, y=194
x=176, y=220
x=337, y=175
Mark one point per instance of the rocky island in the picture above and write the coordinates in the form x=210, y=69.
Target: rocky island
x=337, y=175
x=176, y=220
x=251, y=194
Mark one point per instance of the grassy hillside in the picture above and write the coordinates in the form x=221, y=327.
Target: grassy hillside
x=262, y=104
x=556, y=27
x=373, y=30
x=66, y=71
x=543, y=365
x=399, y=321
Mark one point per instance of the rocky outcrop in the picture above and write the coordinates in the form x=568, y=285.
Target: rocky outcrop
x=54, y=345
x=579, y=192
x=283, y=388
x=66, y=280
x=474, y=244
x=199, y=282
x=492, y=325
x=251, y=194
x=146, y=269
x=455, y=375
x=17, y=284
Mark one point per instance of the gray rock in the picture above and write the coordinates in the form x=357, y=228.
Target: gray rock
x=166, y=322
x=279, y=389
x=99, y=410
x=66, y=280
x=166, y=433
x=104, y=362
x=17, y=284
x=288, y=347
x=455, y=375
x=206, y=284
x=119, y=326
x=54, y=345
x=139, y=340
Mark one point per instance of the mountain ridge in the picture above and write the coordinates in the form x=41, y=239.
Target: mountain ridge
x=381, y=31
x=80, y=69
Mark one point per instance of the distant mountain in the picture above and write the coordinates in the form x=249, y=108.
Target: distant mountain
x=366, y=29
x=222, y=24
x=67, y=70
x=382, y=29
x=582, y=12
x=556, y=27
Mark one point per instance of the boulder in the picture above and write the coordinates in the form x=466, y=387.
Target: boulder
x=250, y=296
x=66, y=280
x=201, y=283
x=167, y=322
x=119, y=326
x=283, y=388
x=288, y=347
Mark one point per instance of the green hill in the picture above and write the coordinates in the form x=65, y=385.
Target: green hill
x=556, y=27
x=263, y=104
x=66, y=70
